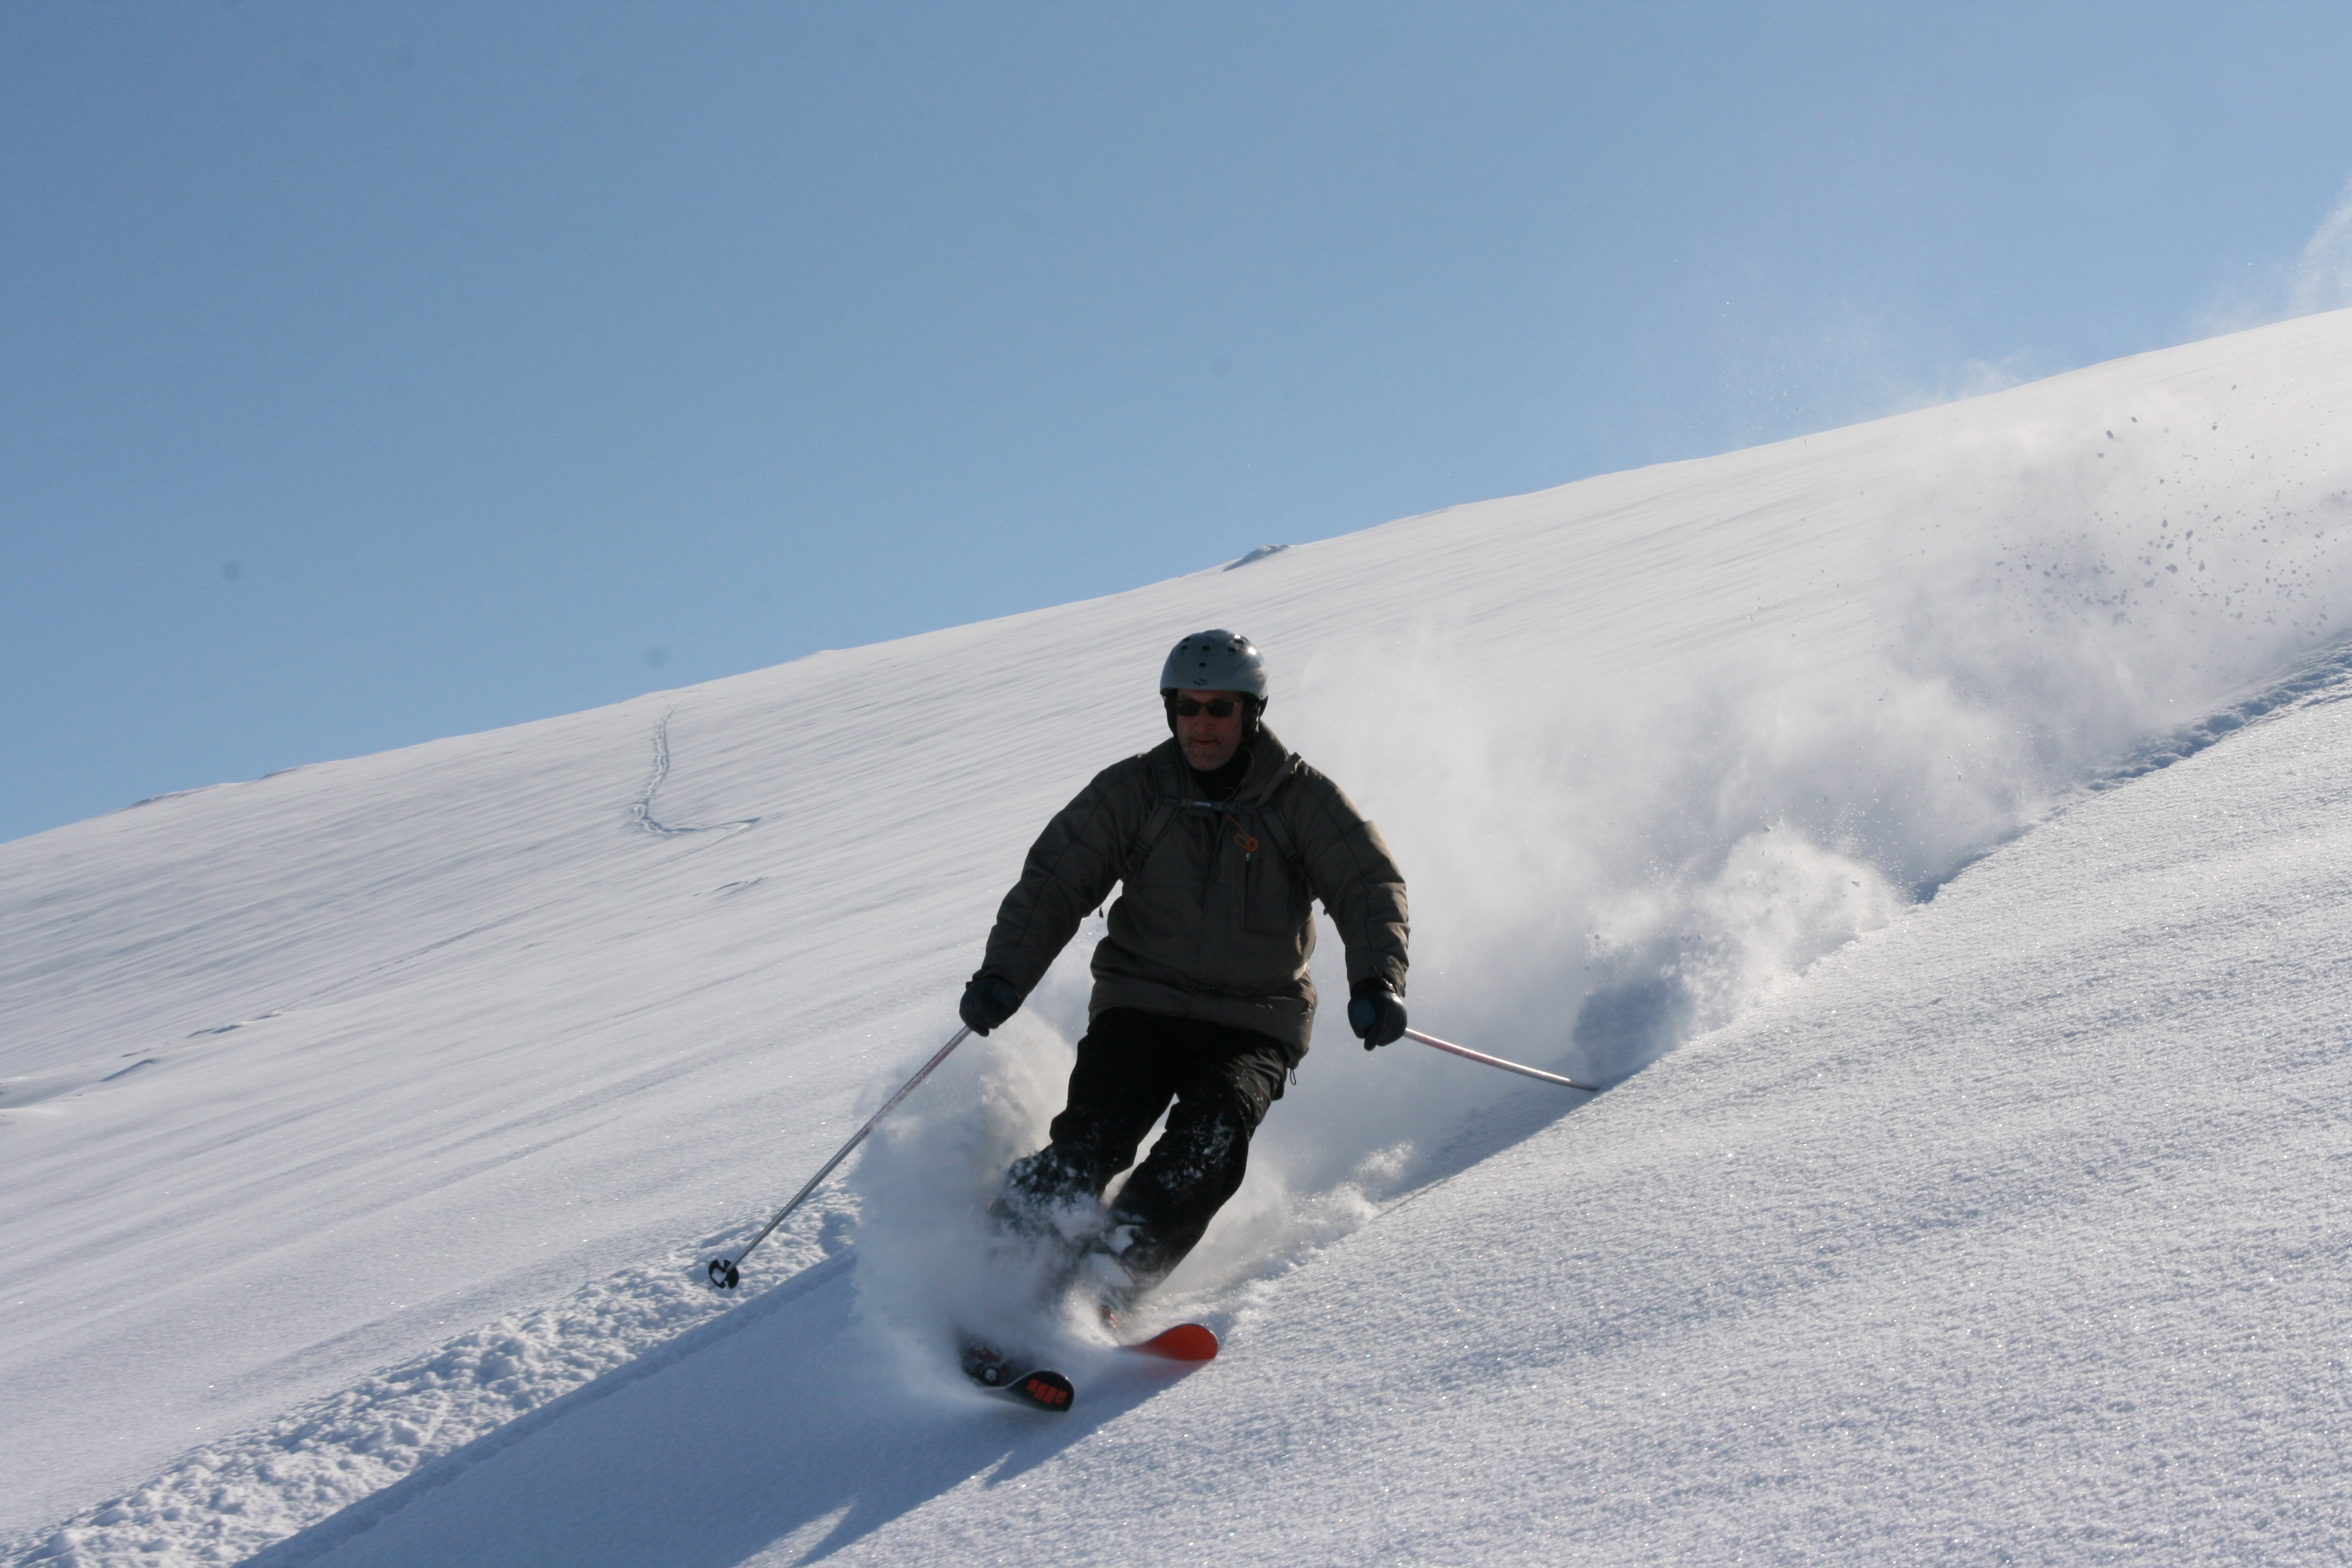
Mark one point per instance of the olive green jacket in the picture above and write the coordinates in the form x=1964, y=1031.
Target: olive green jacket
x=1216, y=918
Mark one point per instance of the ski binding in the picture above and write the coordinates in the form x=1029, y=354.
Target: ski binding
x=1039, y=1388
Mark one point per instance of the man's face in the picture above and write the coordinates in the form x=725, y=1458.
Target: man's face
x=1208, y=741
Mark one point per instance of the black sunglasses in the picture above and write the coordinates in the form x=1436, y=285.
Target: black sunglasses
x=1221, y=708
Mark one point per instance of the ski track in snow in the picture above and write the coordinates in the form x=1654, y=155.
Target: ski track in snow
x=1745, y=830
x=642, y=812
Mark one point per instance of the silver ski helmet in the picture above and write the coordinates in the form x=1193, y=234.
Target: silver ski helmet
x=1215, y=661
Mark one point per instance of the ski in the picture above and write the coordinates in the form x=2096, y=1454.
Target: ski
x=1185, y=1342
x=1039, y=1388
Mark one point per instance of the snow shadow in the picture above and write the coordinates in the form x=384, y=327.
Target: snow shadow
x=794, y=1437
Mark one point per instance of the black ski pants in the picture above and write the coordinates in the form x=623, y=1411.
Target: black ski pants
x=1131, y=1064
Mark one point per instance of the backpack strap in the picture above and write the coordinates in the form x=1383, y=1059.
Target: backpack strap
x=1154, y=825
x=1280, y=835
x=1263, y=817
x=1164, y=810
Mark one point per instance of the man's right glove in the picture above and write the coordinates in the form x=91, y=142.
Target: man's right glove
x=1376, y=1014
x=989, y=1000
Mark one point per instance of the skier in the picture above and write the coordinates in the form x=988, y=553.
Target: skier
x=1223, y=839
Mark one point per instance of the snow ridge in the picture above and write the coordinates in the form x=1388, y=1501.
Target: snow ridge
x=2325, y=677
x=416, y=1425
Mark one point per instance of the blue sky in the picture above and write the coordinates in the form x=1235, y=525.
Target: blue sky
x=370, y=373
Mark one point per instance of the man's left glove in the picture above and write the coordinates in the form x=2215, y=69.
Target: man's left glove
x=989, y=1000
x=1376, y=1014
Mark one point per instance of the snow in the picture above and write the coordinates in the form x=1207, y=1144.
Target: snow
x=1961, y=793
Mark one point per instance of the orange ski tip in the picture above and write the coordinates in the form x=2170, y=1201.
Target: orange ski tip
x=1185, y=1342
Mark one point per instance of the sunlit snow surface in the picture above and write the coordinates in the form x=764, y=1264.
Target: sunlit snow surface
x=360, y=1128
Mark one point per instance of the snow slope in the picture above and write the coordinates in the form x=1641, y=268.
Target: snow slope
x=2017, y=1232
x=366, y=1121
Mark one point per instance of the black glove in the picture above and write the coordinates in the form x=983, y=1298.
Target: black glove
x=1376, y=1014
x=988, y=1000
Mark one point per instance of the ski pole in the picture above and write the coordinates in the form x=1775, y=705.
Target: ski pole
x=1498, y=1061
x=722, y=1270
